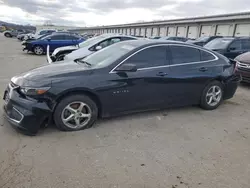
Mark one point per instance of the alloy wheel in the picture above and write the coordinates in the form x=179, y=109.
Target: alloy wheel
x=214, y=95
x=38, y=50
x=76, y=115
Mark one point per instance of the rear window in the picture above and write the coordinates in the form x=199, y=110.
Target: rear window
x=206, y=56
x=184, y=54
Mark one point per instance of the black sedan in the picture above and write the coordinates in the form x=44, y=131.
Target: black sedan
x=125, y=77
x=203, y=40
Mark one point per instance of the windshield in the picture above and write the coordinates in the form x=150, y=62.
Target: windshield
x=43, y=36
x=91, y=41
x=203, y=39
x=218, y=43
x=108, y=55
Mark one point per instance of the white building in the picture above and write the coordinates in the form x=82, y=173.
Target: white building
x=237, y=24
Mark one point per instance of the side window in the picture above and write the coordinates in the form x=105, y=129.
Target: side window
x=58, y=37
x=42, y=32
x=115, y=40
x=206, y=56
x=235, y=45
x=104, y=44
x=150, y=57
x=182, y=54
x=246, y=44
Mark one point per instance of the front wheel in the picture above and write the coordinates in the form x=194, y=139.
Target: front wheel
x=60, y=57
x=38, y=50
x=7, y=35
x=212, y=96
x=76, y=112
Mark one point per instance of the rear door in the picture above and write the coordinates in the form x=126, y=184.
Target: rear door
x=71, y=40
x=147, y=87
x=190, y=69
x=57, y=41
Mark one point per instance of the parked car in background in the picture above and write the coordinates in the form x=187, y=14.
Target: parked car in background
x=230, y=47
x=87, y=47
x=40, y=33
x=125, y=77
x=13, y=33
x=53, y=40
x=243, y=66
x=155, y=37
x=180, y=39
x=22, y=36
x=203, y=40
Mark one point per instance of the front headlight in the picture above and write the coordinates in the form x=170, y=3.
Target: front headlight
x=34, y=91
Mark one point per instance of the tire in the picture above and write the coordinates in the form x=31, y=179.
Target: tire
x=70, y=108
x=7, y=35
x=212, y=96
x=60, y=57
x=38, y=50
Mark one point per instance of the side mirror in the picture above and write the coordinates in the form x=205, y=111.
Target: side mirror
x=48, y=39
x=231, y=49
x=127, y=68
x=98, y=48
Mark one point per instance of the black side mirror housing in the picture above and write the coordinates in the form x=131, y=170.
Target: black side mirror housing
x=231, y=49
x=126, y=68
x=49, y=39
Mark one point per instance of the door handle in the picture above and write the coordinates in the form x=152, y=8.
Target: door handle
x=162, y=74
x=203, y=69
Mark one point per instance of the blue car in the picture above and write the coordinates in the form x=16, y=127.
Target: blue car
x=54, y=41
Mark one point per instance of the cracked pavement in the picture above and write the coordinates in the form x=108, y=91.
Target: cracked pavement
x=184, y=147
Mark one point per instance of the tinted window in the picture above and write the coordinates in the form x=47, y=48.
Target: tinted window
x=205, y=56
x=235, y=46
x=150, y=57
x=245, y=44
x=57, y=37
x=108, y=42
x=182, y=54
x=42, y=32
x=115, y=40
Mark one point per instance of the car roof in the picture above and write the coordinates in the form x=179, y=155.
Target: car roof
x=148, y=42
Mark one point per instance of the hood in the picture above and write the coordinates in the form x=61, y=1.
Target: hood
x=64, y=49
x=80, y=53
x=244, y=58
x=45, y=74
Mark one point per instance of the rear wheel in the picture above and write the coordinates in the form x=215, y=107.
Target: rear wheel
x=38, y=50
x=76, y=112
x=212, y=96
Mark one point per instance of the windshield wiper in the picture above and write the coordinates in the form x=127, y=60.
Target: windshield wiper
x=82, y=61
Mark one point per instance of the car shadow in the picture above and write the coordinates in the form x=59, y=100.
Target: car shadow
x=114, y=120
x=245, y=85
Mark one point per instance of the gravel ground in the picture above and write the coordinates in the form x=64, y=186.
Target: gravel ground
x=175, y=148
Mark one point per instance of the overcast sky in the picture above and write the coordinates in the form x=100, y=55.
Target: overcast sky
x=106, y=12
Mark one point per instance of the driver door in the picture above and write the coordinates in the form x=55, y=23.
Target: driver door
x=143, y=89
x=234, y=49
